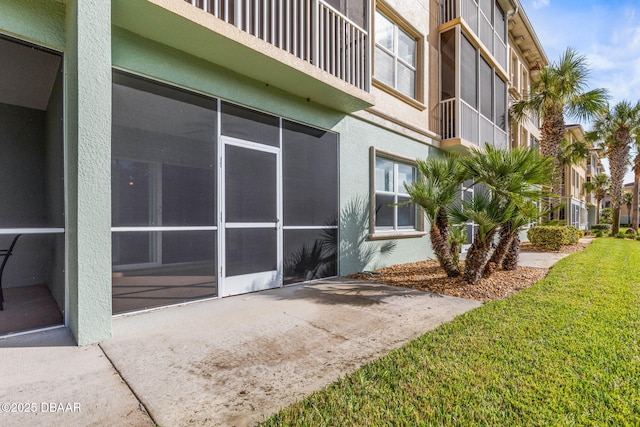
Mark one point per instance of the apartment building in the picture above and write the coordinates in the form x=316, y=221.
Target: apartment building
x=594, y=167
x=164, y=151
x=576, y=210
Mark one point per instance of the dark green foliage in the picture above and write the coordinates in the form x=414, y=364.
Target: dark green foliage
x=603, y=227
x=553, y=237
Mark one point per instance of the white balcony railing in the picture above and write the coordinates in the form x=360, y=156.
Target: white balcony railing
x=312, y=30
x=471, y=125
x=478, y=23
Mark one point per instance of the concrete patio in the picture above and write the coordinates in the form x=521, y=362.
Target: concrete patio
x=232, y=361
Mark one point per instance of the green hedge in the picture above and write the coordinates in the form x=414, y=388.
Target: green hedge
x=603, y=227
x=553, y=237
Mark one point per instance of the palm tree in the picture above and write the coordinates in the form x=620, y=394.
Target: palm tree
x=488, y=211
x=599, y=186
x=438, y=186
x=627, y=199
x=636, y=181
x=560, y=91
x=615, y=129
x=510, y=175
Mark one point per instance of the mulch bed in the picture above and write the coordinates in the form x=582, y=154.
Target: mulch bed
x=429, y=277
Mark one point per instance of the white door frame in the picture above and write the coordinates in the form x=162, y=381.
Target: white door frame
x=235, y=285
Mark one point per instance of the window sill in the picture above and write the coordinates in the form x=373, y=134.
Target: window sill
x=396, y=234
x=401, y=96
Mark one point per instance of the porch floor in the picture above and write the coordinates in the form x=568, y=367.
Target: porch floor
x=28, y=307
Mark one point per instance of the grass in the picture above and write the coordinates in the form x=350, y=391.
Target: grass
x=564, y=352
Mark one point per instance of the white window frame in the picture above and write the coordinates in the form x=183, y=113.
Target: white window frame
x=394, y=231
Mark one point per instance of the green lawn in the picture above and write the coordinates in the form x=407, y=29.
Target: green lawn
x=564, y=352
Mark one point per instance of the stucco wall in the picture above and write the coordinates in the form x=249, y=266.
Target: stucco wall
x=88, y=174
x=39, y=21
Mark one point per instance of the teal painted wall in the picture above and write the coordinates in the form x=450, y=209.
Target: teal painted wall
x=39, y=21
x=88, y=174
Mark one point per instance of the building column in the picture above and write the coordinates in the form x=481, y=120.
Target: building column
x=88, y=168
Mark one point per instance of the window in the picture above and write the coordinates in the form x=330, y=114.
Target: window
x=486, y=89
x=390, y=176
x=395, y=56
x=469, y=72
x=501, y=102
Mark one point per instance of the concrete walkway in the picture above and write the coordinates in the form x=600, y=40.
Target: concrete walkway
x=232, y=361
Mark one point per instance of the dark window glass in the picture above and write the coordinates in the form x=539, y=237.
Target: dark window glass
x=501, y=103
x=250, y=179
x=31, y=137
x=310, y=175
x=250, y=251
x=172, y=267
x=193, y=247
x=390, y=179
x=486, y=89
x=163, y=151
x=500, y=22
x=384, y=212
x=132, y=187
x=485, y=6
x=448, y=65
x=249, y=125
x=469, y=72
x=193, y=207
x=310, y=254
x=406, y=214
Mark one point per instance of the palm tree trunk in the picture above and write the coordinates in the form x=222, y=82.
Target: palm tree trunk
x=499, y=254
x=442, y=251
x=510, y=261
x=618, y=157
x=477, y=259
x=636, y=181
x=552, y=131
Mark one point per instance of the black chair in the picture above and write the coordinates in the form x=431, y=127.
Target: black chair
x=6, y=253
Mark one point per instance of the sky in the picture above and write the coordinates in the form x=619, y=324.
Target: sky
x=606, y=31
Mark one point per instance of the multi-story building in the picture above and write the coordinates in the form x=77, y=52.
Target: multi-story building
x=594, y=167
x=163, y=151
x=575, y=210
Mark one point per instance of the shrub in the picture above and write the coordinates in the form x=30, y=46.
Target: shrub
x=552, y=237
x=599, y=233
x=603, y=227
x=638, y=237
x=631, y=232
x=620, y=235
x=574, y=234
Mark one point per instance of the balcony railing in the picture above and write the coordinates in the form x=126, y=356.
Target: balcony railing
x=471, y=125
x=312, y=30
x=478, y=23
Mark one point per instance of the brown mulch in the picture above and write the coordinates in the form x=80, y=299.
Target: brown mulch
x=429, y=277
x=567, y=249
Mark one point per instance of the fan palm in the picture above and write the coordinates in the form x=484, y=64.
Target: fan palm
x=488, y=211
x=636, y=181
x=513, y=176
x=561, y=90
x=615, y=128
x=599, y=186
x=438, y=186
